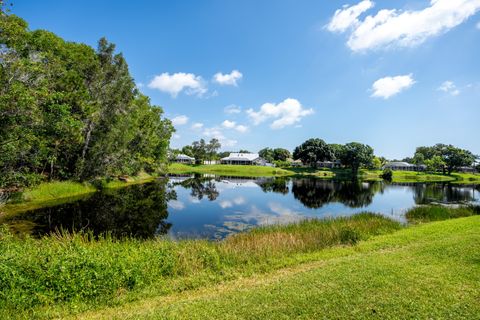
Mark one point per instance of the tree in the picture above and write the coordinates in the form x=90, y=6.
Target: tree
x=280, y=154
x=199, y=149
x=312, y=151
x=267, y=154
x=355, y=155
x=212, y=147
x=435, y=164
x=337, y=150
x=455, y=157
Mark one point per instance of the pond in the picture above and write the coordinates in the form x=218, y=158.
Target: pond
x=215, y=207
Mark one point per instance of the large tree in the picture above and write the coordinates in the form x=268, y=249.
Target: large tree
x=69, y=111
x=356, y=154
x=312, y=151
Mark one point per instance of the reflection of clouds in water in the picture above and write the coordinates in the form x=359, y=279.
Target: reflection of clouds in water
x=224, y=204
x=194, y=200
x=227, y=184
x=278, y=215
x=176, y=204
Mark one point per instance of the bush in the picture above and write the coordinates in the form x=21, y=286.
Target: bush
x=387, y=174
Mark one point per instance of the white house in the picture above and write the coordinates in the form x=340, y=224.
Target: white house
x=244, y=158
x=404, y=166
x=183, y=158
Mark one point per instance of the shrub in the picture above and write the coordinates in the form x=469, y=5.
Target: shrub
x=387, y=174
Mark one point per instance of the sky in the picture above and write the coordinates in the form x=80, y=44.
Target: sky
x=393, y=74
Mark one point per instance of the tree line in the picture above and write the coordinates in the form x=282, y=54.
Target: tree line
x=69, y=111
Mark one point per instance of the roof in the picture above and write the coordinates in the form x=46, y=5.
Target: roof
x=399, y=164
x=242, y=157
x=183, y=157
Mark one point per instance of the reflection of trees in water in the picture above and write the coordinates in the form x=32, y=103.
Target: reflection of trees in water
x=277, y=185
x=442, y=192
x=138, y=211
x=200, y=187
x=315, y=193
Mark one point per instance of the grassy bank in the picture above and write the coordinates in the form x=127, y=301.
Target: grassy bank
x=425, y=272
x=228, y=170
x=437, y=212
x=338, y=174
x=57, y=192
x=65, y=274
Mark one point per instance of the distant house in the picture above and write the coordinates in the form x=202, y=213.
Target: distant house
x=329, y=164
x=404, y=166
x=467, y=169
x=244, y=159
x=183, y=158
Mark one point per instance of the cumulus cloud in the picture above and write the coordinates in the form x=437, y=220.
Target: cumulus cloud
x=232, y=109
x=197, y=126
x=217, y=133
x=176, y=204
x=178, y=82
x=233, y=125
x=397, y=27
x=180, y=120
x=286, y=113
x=390, y=86
x=348, y=16
x=228, y=79
x=449, y=87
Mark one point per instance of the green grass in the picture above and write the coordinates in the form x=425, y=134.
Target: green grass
x=54, y=193
x=65, y=274
x=228, y=170
x=438, y=212
x=430, y=271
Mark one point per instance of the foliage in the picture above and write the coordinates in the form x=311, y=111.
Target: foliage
x=387, y=174
x=437, y=212
x=68, y=111
x=272, y=155
x=355, y=154
x=451, y=157
x=76, y=268
x=312, y=151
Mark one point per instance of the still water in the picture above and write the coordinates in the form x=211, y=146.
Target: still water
x=215, y=207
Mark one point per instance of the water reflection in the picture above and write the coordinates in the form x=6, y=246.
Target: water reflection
x=139, y=211
x=215, y=207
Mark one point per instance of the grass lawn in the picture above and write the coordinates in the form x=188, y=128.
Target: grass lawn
x=228, y=170
x=430, y=271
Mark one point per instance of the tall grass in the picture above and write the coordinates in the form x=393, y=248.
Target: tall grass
x=72, y=269
x=438, y=212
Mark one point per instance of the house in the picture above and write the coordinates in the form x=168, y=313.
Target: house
x=245, y=159
x=329, y=164
x=467, y=169
x=404, y=166
x=183, y=158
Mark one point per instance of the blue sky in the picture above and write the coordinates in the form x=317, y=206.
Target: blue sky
x=392, y=74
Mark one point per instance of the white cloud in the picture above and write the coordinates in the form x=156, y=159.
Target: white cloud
x=233, y=125
x=232, y=109
x=176, y=136
x=241, y=128
x=228, y=124
x=478, y=25
x=286, y=113
x=229, y=79
x=390, y=86
x=348, y=16
x=180, y=120
x=449, y=87
x=217, y=133
x=400, y=28
x=225, y=204
x=178, y=82
x=176, y=204
x=197, y=126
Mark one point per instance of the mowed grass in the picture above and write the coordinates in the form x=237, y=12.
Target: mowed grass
x=228, y=170
x=66, y=274
x=429, y=271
